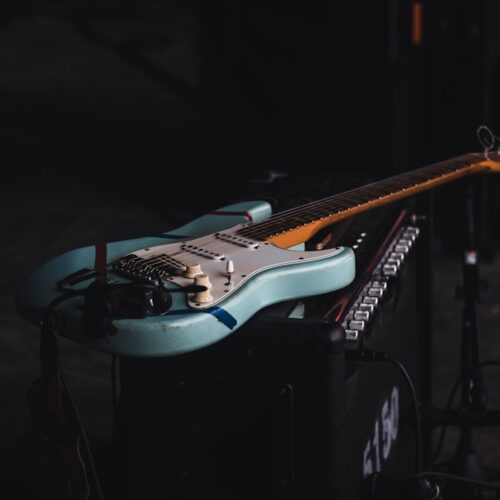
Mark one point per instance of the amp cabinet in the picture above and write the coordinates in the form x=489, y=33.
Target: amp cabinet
x=256, y=416
x=276, y=409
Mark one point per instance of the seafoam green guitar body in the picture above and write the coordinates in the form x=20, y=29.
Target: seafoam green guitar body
x=263, y=274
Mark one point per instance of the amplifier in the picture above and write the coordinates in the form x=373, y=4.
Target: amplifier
x=275, y=410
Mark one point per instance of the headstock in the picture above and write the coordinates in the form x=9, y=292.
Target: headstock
x=490, y=159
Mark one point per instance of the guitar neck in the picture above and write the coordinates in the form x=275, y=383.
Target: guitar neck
x=299, y=224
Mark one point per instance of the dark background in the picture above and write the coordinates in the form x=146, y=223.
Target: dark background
x=125, y=118
x=136, y=95
x=180, y=103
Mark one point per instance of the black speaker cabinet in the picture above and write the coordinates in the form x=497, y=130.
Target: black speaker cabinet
x=274, y=410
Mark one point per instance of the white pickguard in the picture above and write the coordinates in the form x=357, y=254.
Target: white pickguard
x=213, y=252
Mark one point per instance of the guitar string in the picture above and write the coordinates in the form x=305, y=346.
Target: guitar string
x=379, y=188
x=397, y=183
x=365, y=194
x=157, y=258
x=385, y=188
x=308, y=213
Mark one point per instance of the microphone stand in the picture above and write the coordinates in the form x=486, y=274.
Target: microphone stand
x=465, y=461
x=465, y=479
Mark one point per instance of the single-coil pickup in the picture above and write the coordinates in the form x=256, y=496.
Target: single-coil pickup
x=237, y=240
x=208, y=254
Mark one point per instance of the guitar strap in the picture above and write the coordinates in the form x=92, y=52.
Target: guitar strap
x=64, y=469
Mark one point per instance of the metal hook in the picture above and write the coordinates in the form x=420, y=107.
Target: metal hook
x=487, y=139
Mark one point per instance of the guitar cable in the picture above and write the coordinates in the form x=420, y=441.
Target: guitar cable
x=456, y=385
x=429, y=485
x=85, y=455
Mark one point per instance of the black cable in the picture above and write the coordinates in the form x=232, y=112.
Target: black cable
x=89, y=464
x=429, y=485
x=113, y=386
x=444, y=427
x=453, y=477
x=368, y=355
x=481, y=490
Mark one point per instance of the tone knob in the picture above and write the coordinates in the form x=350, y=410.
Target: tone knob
x=203, y=297
x=192, y=271
x=202, y=280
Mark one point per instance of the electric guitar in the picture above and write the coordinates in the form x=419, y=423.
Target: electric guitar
x=186, y=289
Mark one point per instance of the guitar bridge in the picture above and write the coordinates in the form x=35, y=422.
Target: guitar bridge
x=159, y=266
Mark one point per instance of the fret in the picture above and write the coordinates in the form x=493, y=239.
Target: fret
x=335, y=205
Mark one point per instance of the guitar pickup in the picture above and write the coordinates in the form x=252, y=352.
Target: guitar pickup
x=202, y=252
x=237, y=240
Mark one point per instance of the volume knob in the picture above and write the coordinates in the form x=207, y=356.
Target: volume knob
x=202, y=280
x=205, y=296
x=192, y=271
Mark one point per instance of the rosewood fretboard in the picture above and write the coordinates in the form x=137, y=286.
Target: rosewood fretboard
x=298, y=224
